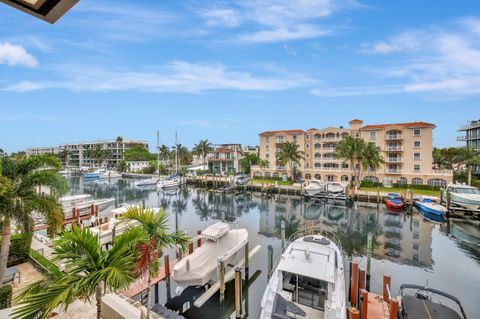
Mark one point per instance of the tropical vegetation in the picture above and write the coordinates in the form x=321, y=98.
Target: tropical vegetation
x=19, y=197
x=138, y=153
x=248, y=160
x=88, y=271
x=202, y=149
x=290, y=155
x=154, y=227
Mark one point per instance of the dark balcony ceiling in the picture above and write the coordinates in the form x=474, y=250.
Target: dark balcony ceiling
x=47, y=10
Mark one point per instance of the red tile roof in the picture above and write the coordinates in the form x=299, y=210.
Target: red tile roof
x=356, y=121
x=409, y=124
x=312, y=129
x=283, y=131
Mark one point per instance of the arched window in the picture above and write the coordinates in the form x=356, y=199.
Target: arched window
x=275, y=175
x=317, y=146
x=331, y=178
x=317, y=136
x=371, y=179
x=417, y=181
x=318, y=155
x=344, y=178
x=267, y=175
x=258, y=174
x=402, y=181
x=317, y=176
x=308, y=176
x=437, y=182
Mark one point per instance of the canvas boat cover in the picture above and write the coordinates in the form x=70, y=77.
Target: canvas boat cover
x=215, y=231
x=198, y=268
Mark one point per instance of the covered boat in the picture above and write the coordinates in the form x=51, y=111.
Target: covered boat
x=308, y=282
x=314, y=187
x=200, y=267
x=464, y=196
x=394, y=201
x=427, y=303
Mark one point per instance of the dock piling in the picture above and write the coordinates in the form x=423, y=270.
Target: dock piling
x=270, y=261
x=361, y=284
x=369, y=258
x=166, y=261
x=354, y=284
x=393, y=309
x=238, y=293
x=364, y=304
x=222, y=281
x=282, y=227
x=247, y=259
x=199, y=240
x=353, y=313
x=386, y=287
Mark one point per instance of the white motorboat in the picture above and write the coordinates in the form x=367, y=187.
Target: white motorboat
x=74, y=200
x=464, y=196
x=308, y=282
x=200, y=267
x=241, y=179
x=146, y=182
x=335, y=188
x=110, y=174
x=314, y=187
x=170, y=182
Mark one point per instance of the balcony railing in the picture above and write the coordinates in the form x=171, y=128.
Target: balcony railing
x=394, y=148
x=328, y=149
x=394, y=160
x=447, y=172
x=394, y=171
x=462, y=138
x=394, y=136
x=470, y=126
x=331, y=169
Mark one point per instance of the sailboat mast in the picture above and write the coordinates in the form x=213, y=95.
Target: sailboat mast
x=176, y=153
x=158, y=153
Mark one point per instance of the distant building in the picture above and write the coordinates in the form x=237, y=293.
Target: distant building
x=136, y=166
x=41, y=150
x=471, y=137
x=225, y=159
x=406, y=149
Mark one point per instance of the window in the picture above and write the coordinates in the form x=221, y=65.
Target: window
x=267, y=139
x=416, y=168
x=308, y=145
x=372, y=135
x=294, y=138
x=357, y=135
x=308, y=155
x=266, y=156
x=417, y=144
x=417, y=181
x=267, y=147
x=417, y=132
x=307, y=136
x=416, y=156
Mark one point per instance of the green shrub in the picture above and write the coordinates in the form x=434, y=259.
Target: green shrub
x=19, y=246
x=370, y=184
x=5, y=296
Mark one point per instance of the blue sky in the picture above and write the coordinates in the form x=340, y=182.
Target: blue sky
x=227, y=70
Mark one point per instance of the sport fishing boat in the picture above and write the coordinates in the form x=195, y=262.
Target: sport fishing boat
x=394, y=200
x=308, y=282
x=200, y=267
x=314, y=187
x=427, y=206
x=419, y=302
x=465, y=196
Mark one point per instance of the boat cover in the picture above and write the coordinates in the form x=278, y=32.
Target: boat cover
x=215, y=231
x=198, y=268
x=419, y=308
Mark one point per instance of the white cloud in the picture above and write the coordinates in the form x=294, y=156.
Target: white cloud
x=12, y=54
x=274, y=20
x=410, y=41
x=177, y=76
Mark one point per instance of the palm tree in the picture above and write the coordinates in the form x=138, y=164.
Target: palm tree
x=263, y=164
x=202, y=149
x=20, y=198
x=290, y=154
x=87, y=271
x=370, y=158
x=155, y=228
x=164, y=153
x=2, y=152
x=63, y=156
x=469, y=157
x=350, y=150
x=248, y=160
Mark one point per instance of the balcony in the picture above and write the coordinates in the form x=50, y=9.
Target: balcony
x=328, y=149
x=394, y=160
x=470, y=126
x=443, y=172
x=394, y=171
x=392, y=137
x=394, y=148
x=462, y=138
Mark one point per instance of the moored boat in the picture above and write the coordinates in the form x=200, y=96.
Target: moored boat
x=170, y=182
x=314, y=187
x=394, y=201
x=465, y=196
x=146, y=182
x=426, y=206
x=110, y=174
x=308, y=282
x=419, y=302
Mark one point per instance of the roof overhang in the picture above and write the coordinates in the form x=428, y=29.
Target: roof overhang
x=47, y=10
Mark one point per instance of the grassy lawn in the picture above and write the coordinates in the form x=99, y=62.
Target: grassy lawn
x=402, y=190
x=271, y=181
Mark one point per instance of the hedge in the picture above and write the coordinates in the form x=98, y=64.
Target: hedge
x=44, y=262
x=5, y=296
x=279, y=178
x=19, y=246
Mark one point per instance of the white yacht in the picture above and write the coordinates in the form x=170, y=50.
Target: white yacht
x=146, y=182
x=464, y=196
x=314, y=187
x=170, y=182
x=334, y=188
x=308, y=282
x=110, y=174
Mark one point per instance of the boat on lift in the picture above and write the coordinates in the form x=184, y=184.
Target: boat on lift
x=465, y=196
x=200, y=267
x=314, y=187
x=308, y=282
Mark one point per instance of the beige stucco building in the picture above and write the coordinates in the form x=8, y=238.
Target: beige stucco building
x=405, y=147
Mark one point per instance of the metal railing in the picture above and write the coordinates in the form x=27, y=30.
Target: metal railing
x=394, y=160
x=394, y=171
x=394, y=136
x=442, y=172
x=394, y=148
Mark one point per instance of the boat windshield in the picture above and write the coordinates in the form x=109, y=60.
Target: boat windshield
x=467, y=191
x=305, y=290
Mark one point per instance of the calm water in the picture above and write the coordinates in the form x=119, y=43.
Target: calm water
x=409, y=248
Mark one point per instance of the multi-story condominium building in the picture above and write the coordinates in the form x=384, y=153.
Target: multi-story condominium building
x=78, y=155
x=225, y=158
x=41, y=150
x=405, y=147
x=471, y=138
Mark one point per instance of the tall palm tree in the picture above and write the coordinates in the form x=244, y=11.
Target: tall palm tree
x=165, y=153
x=370, y=158
x=351, y=150
x=21, y=198
x=88, y=271
x=155, y=228
x=63, y=156
x=469, y=157
x=291, y=155
x=202, y=149
x=263, y=164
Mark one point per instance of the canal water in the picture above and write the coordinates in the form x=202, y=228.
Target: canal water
x=408, y=247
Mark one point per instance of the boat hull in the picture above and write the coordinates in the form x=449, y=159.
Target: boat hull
x=393, y=205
